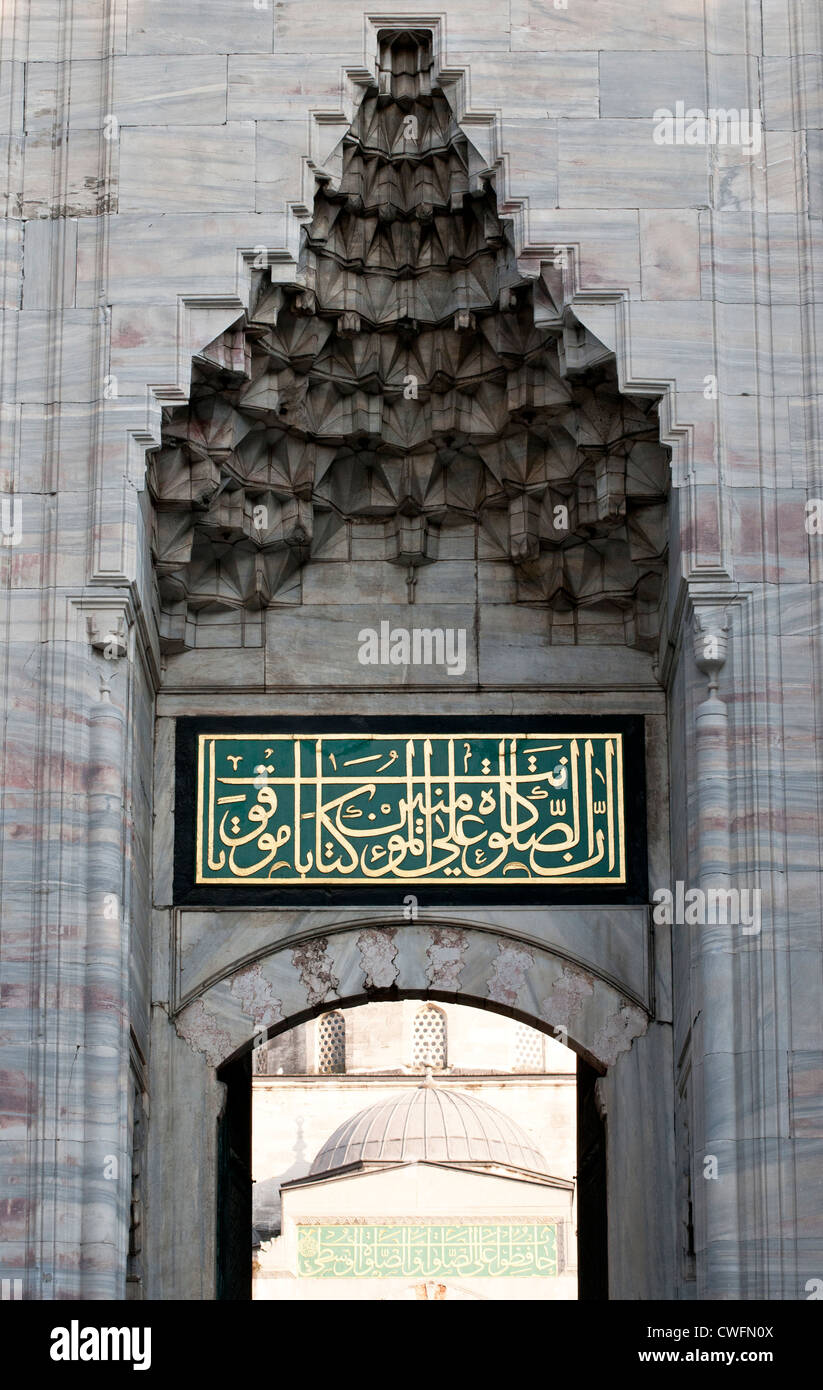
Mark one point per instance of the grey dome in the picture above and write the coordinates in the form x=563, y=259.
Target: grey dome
x=429, y=1123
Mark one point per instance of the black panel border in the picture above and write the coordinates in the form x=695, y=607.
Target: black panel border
x=189, y=894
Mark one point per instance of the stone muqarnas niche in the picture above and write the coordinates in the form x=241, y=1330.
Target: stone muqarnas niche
x=412, y=377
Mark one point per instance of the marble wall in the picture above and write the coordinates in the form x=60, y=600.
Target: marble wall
x=150, y=152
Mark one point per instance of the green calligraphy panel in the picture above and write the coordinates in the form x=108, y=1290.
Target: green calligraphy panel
x=423, y=808
x=385, y=1252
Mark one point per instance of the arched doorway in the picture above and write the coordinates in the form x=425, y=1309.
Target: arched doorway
x=437, y=1141
x=207, y=1051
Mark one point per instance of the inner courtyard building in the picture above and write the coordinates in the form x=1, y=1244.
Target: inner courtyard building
x=413, y=1151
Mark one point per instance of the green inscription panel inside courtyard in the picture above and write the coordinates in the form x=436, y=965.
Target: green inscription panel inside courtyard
x=306, y=808
x=386, y=1252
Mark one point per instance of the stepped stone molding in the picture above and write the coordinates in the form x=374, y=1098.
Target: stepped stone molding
x=410, y=375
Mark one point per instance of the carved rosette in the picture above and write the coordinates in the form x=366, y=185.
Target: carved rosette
x=411, y=376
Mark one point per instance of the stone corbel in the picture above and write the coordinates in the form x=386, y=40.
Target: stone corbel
x=711, y=743
x=108, y=632
x=711, y=641
x=114, y=628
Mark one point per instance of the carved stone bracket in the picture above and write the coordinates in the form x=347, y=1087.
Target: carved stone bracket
x=711, y=638
x=108, y=633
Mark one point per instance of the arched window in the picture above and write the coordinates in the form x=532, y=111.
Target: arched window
x=430, y=1038
x=529, y=1053
x=331, y=1043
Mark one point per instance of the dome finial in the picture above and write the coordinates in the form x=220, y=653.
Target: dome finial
x=427, y=1078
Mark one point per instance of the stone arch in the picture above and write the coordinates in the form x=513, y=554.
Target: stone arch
x=461, y=965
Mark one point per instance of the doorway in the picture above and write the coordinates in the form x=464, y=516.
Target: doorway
x=411, y=1121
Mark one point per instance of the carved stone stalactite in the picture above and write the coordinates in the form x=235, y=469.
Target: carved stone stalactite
x=411, y=375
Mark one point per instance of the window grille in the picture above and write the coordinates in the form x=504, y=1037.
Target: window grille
x=331, y=1043
x=430, y=1038
x=528, y=1049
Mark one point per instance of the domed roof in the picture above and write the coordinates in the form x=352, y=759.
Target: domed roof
x=429, y=1123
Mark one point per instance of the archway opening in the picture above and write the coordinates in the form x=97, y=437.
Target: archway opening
x=410, y=1147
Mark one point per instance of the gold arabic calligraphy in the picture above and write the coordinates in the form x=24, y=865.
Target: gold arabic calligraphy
x=309, y=808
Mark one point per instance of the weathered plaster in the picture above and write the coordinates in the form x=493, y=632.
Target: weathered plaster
x=446, y=952
x=316, y=972
x=378, y=957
